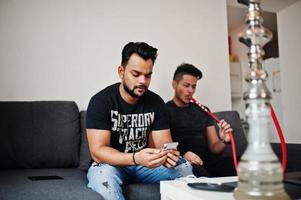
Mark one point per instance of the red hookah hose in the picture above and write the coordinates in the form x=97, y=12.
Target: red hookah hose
x=281, y=137
x=218, y=120
x=276, y=123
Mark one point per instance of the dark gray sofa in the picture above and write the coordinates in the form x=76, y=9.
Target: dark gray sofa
x=48, y=138
x=39, y=139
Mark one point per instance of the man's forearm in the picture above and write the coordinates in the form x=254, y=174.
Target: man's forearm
x=218, y=147
x=112, y=156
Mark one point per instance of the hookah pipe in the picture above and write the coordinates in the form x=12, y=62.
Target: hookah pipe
x=281, y=137
x=259, y=174
x=218, y=120
x=276, y=123
x=247, y=42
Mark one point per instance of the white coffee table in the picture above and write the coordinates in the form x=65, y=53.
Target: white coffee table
x=178, y=190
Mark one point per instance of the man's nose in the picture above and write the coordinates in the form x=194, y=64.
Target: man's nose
x=142, y=79
x=191, y=90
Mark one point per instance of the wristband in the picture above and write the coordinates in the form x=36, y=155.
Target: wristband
x=134, y=159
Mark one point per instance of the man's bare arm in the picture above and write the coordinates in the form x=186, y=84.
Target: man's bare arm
x=158, y=138
x=99, y=144
x=101, y=152
x=215, y=144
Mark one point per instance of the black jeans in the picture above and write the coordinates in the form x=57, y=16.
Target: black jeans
x=215, y=166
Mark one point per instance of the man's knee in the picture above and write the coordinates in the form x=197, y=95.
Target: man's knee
x=183, y=168
x=162, y=173
x=105, y=179
x=101, y=172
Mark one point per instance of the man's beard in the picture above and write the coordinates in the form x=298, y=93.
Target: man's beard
x=131, y=91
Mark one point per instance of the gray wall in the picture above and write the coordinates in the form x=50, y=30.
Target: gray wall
x=287, y=103
x=289, y=32
x=69, y=50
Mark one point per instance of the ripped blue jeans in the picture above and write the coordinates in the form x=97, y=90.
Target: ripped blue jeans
x=107, y=179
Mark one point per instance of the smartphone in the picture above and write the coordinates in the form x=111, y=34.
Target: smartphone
x=172, y=145
x=39, y=178
x=222, y=187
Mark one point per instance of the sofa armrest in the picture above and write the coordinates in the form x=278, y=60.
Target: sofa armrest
x=84, y=156
x=293, y=155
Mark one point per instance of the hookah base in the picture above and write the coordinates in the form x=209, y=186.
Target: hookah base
x=240, y=195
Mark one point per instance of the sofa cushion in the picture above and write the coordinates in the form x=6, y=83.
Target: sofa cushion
x=142, y=191
x=14, y=184
x=39, y=134
x=84, y=157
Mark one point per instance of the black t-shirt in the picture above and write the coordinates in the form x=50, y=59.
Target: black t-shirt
x=188, y=127
x=130, y=124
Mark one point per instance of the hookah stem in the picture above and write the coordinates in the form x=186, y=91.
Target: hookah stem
x=230, y=133
x=281, y=137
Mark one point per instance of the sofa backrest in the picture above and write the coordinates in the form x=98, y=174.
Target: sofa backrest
x=42, y=134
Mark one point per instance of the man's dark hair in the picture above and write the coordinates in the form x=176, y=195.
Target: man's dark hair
x=187, y=69
x=144, y=50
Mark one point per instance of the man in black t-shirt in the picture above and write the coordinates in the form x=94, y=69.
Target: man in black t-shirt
x=127, y=124
x=192, y=127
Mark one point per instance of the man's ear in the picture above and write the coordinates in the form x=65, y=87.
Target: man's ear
x=120, y=71
x=174, y=84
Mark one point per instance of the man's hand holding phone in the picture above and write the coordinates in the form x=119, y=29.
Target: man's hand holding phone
x=172, y=154
x=150, y=157
x=168, y=156
x=169, y=146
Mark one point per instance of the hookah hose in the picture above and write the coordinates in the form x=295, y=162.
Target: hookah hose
x=281, y=137
x=276, y=123
x=218, y=120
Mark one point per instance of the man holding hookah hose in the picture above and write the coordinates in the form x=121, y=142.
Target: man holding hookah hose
x=193, y=128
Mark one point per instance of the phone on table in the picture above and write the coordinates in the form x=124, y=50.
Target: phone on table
x=172, y=145
x=40, y=178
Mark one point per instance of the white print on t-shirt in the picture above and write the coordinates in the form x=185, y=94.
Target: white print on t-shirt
x=132, y=129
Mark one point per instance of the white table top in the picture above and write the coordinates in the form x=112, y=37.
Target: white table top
x=178, y=189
